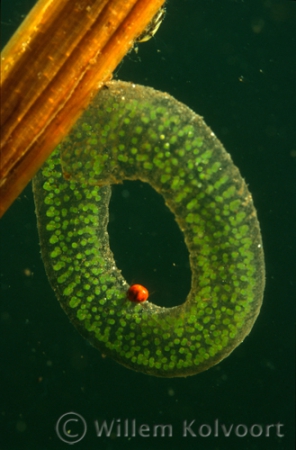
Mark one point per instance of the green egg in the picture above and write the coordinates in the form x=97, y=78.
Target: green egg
x=132, y=132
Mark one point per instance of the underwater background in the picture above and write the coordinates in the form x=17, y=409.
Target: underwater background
x=233, y=62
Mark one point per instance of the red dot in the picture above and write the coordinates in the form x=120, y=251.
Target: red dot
x=137, y=293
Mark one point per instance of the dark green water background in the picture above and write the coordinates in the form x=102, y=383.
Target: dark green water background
x=233, y=62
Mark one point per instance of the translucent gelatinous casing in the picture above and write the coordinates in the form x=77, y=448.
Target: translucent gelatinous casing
x=134, y=132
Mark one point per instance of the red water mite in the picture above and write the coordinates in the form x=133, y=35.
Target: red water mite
x=137, y=293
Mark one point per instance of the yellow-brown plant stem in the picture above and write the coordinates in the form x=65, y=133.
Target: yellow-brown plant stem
x=51, y=68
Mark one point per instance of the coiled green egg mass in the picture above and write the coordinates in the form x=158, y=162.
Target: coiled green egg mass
x=132, y=132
